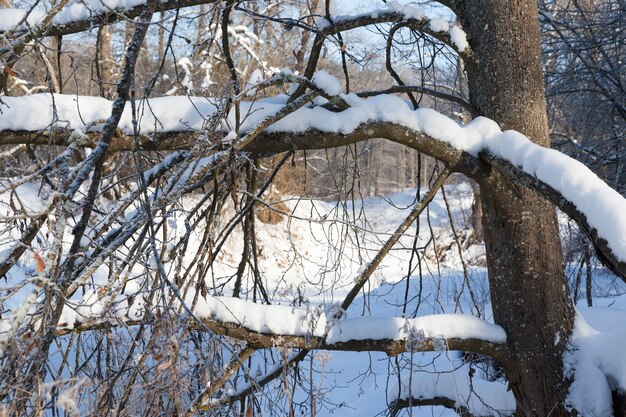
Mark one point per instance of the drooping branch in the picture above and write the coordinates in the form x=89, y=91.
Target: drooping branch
x=603, y=251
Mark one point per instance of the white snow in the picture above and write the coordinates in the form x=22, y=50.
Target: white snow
x=439, y=25
x=603, y=207
x=28, y=199
x=34, y=112
x=81, y=10
x=322, y=23
x=186, y=66
x=458, y=38
x=442, y=326
x=326, y=82
x=11, y=18
x=313, y=321
x=272, y=319
x=597, y=361
x=409, y=12
x=597, y=358
x=255, y=78
x=479, y=396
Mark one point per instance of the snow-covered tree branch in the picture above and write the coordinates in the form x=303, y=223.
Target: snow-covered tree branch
x=211, y=207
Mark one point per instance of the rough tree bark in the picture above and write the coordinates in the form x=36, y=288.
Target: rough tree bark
x=527, y=280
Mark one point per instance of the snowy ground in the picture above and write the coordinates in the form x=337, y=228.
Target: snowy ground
x=300, y=266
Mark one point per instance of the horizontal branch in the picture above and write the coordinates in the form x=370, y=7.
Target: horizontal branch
x=267, y=326
x=458, y=389
x=105, y=16
x=388, y=346
x=396, y=406
x=260, y=340
x=457, y=160
x=464, y=333
x=422, y=24
x=166, y=141
x=265, y=143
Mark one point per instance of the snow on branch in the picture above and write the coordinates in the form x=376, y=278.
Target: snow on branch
x=458, y=38
x=11, y=19
x=417, y=330
x=565, y=181
x=79, y=16
x=265, y=326
x=415, y=18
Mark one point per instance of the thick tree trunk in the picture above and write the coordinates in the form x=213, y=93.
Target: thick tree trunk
x=528, y=285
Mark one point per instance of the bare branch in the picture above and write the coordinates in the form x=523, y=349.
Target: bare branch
x=230, y=370
x=21, y=245
x=448, y=403
x=362, y=278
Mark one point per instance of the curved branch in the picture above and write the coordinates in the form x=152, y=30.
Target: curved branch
x=353, y=22
x=420, y=25
x=603, y=251
x=105, y=16
x=268, y=143
x=389, y=67
x=256, y=140
x=457, y=160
